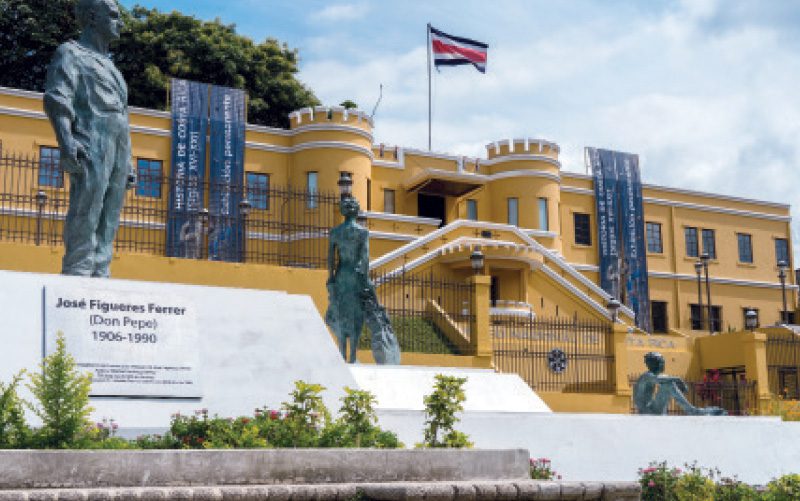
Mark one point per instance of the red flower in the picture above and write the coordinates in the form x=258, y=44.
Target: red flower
x=274, y=415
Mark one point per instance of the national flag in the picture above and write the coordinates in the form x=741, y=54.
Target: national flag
x=449, y=50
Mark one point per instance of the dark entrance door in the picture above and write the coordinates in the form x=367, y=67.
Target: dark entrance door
x=431, y=206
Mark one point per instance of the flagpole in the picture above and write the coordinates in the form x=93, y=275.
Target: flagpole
x=429, y=86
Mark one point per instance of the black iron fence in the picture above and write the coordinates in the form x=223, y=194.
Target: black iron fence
x=738, y=398
x=561, y=354
x=257, y=223
x=429, y=313
x=783, y=364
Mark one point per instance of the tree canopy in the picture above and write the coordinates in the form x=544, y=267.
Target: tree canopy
x=155, y=46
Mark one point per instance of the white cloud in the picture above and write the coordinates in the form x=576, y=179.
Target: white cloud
x=341, y=12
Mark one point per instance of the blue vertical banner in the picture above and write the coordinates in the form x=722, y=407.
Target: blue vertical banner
x=226, y=176
x=189, y=102
x=620, y=227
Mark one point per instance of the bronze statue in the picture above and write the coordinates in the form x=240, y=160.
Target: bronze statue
x=654, y=391
x=86, y=100
x=352, y=294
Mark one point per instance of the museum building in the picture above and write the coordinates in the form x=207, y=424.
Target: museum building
x=483, y=262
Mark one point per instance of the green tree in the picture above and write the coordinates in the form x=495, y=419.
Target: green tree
x=30, y=31
x=62, y=394
x=14, y=432
x=155, y=46
x=441, y=407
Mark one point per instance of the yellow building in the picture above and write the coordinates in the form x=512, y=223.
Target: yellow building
x=427, y=212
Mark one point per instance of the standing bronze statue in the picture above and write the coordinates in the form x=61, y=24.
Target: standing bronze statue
x=86, y=99
x=654, y=390
x=351, y=294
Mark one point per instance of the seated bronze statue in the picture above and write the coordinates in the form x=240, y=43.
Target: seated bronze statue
x=654, y=391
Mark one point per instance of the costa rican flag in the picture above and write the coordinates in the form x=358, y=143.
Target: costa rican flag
x=449, y=50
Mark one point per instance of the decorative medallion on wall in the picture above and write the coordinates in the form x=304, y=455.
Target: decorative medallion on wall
x=557, y=360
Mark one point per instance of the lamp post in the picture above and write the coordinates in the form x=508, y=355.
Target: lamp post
x=704, y=258
x=750, y=319
x=698, y=268
x=41, y=199
x=345, y=184
x=613, y=307
x=477, y=260
x=782, y=268
x=244, y=211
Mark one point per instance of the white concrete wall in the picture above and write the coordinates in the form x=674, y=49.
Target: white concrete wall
x=486, y=390
x=613, y=447
x=253, y=345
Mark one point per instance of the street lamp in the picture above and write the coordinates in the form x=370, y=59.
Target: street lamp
x=698, y=268
x=345, y=184
x=704, y=258
x=782, y=268
x=477, y=261
x=751, y=319
x=613, y=307
x=41, y=199
x=244, y=211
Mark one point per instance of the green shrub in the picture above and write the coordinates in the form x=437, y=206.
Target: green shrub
x=62, y=394
x=441, y=407
x=302, y=418
x=694, y=486
x=730, y=489
x=357, y=424
x=14, y=432
x=785, y=488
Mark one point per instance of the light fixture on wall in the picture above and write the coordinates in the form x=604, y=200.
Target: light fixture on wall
x=613, y=308
x=345, y=184
x=477, y=260
x=782, y=269
x=750, y=319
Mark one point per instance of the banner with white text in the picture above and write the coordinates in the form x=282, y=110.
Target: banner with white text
x=189, y=130
x=620, y=227
x=226, y=176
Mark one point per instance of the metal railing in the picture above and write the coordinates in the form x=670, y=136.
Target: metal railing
x=424, y=309
x=561, y=354
x=783, y=364
x=738, y=398
x=286, y=226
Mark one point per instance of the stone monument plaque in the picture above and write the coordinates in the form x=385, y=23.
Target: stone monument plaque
x=135, y=344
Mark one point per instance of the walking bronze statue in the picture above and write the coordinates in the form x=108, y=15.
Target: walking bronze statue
x=351, y=294
x=86, y=99
x=654, y=391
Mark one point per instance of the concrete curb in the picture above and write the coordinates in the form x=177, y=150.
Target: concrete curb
x=46, y=469
x=393, y=491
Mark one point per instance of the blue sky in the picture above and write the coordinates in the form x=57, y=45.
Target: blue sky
x=707, y=92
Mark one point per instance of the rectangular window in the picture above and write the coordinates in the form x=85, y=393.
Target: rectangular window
x=781, y=251
x=50, y=167
x=369, y=194
x=388, y=201
x=148, y=178
x=692, y=247
x=513, y=211
x=583, y=234
x=258, y=190
x=658, y=314
x=654, y=243
x=312, y=188
x=699, y=318
x=544, y=223
x=745, y=242
x=472, y=210
x=709, y=245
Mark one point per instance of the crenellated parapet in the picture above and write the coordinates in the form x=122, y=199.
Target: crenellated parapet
x=330, y=115
x=524, y=146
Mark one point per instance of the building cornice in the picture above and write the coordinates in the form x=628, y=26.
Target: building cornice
x=350, y=129
x=683, y=191
x=401, y=218
x=517, y=157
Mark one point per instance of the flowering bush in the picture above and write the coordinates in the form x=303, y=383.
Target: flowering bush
x=658, y=482
x=731, y=489
x=694, y=485
x=541, y=469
